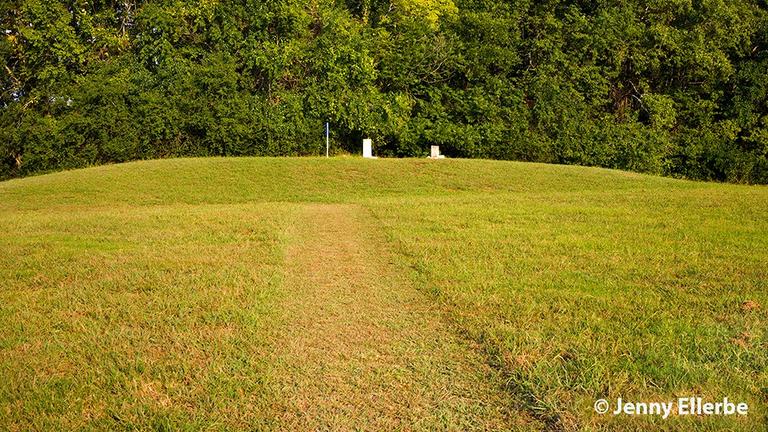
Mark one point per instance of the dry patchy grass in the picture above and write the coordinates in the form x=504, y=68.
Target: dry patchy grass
x=208, y=294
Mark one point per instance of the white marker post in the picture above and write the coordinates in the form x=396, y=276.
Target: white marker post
x=368, y=148
x=434, y=153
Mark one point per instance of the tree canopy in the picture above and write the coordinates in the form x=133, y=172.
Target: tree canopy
x=673, y=87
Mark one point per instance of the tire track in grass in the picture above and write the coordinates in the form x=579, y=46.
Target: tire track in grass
x=361, y=349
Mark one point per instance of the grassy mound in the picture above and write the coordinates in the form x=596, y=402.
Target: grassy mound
x=145, y=295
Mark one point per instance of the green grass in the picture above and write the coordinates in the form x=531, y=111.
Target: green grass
x=123, y=317
x=145, y=295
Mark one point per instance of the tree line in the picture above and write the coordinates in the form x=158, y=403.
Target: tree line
x=673, y=87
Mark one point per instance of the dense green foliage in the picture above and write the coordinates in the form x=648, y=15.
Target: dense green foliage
x=677, y=87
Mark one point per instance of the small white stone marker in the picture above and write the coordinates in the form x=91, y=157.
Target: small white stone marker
x=368, y=148
x=435, y=153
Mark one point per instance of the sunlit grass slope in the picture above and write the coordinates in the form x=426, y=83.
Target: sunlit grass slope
x=145, y=294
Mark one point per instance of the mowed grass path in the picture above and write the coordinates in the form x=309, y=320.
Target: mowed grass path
x=361, y=349
x=391, y=294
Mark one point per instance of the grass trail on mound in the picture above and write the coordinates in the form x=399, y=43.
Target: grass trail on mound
x=360, y=349
x=155, y=294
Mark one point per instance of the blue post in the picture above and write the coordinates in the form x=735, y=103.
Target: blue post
x=327, y=139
